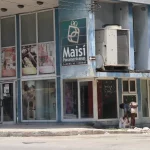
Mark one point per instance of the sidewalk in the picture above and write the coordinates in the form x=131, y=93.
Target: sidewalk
x=24, y=130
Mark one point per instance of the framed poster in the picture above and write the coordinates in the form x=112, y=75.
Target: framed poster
x=74, y=42
x=46, y=54
x=29, y=60
x=8, y=62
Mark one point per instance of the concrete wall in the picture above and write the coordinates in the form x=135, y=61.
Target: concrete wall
x=141, y=32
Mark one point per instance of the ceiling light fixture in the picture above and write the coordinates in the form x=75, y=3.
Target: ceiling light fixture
x=40, y=2
x=20, y=6
x=3, y=9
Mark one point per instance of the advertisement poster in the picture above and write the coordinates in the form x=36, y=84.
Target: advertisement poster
x=46, y=58
x=28, y=97
x=8, y=62
x=29, y=60
x=74, y=42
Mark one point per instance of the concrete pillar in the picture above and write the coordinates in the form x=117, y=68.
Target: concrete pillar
x=123, y=15
x=39, y=85
x=141, y=28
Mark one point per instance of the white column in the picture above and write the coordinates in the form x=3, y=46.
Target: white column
x=39, y=100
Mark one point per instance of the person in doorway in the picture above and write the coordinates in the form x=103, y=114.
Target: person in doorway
x=130, y=110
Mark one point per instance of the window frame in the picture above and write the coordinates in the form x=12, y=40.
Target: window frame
x=129, y=90
x=79, y=118
x=38, y=79
x=14, y=46
x=37, y=43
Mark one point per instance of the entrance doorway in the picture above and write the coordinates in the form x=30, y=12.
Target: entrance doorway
x=7, y=104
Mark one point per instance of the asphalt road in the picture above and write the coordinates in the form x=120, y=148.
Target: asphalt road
x=97, y=142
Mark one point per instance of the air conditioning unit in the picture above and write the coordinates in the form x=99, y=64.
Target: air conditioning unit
x=112, y=43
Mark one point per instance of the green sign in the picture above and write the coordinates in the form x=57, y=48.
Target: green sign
x=74, y=42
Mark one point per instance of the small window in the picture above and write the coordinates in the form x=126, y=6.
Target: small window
x=45, y=26
x=8, y=32
x=125, y=86
x=129, y=86
x=132, y=86
x=28, y=29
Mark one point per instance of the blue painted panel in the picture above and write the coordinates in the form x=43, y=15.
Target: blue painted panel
x=139, y=95
x=57, y=42
x=18, y=71
x=120, y=95
x=76, y=10
x=58, y=99
x=58, y=80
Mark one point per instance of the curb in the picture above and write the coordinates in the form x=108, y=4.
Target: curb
x=69, y=133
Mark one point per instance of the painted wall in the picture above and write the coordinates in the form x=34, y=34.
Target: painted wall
x=78, y=9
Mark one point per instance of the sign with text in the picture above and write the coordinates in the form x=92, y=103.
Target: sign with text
x=74, y=42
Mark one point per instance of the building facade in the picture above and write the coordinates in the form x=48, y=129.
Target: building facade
x=49, y=68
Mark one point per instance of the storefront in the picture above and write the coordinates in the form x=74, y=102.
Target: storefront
x=38, y=57
x=28, y=60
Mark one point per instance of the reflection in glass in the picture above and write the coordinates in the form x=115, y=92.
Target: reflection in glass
x=86, y=99
x=39, y=100
x=70, y=93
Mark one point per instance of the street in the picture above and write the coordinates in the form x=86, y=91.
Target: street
x=96, y=142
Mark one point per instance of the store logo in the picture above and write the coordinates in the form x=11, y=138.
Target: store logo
x=73, y=32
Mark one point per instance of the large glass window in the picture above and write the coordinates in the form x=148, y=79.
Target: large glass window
x=8, y=47
x=38, y=46
x=107, y=99
x=39, y=100
x=77, y=99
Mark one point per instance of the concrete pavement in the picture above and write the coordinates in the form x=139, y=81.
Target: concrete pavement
x=24, y=130
x=88, y=142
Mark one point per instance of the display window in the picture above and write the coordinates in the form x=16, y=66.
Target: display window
x=77, y=99
x=8, y=47
x=39, y=100
x=37, y=43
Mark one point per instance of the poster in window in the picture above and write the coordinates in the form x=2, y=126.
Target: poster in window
x=46, y=58
x=8, y=62
x=29, y=60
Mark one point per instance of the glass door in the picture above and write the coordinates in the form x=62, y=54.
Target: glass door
x=8, y=102
x=86, y=99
